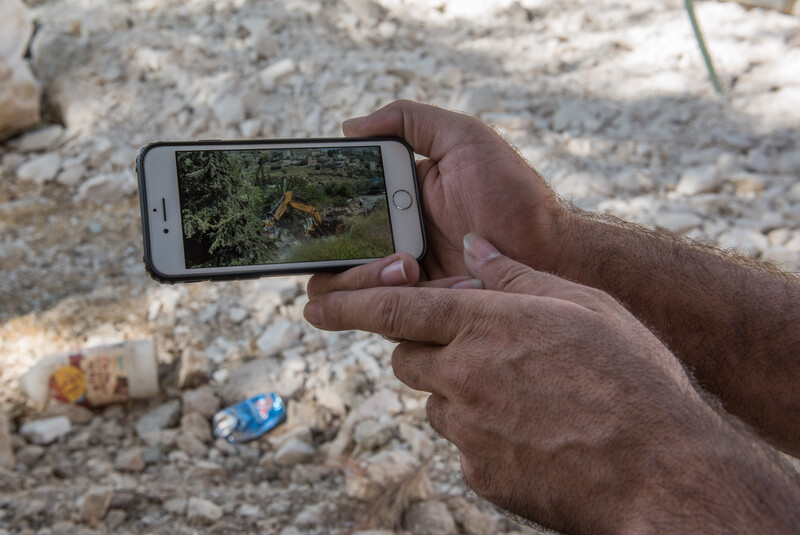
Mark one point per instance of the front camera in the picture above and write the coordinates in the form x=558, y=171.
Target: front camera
x=166, y=231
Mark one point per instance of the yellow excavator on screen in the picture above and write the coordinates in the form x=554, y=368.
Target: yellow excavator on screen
x=287, y=202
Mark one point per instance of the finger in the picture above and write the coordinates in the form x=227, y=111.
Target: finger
x=420, y=314
x=431, y=131
x=458, y=282
x=501, y=273
x=418, y=365
x=394, y=270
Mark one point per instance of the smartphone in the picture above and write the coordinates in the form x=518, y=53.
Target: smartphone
x=242, y=209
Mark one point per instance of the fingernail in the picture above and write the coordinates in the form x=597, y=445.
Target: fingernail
x=479, y=248
x=394, y=274
x=313, y=313
x=471, y=284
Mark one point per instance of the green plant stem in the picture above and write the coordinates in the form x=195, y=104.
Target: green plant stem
x=706, y=56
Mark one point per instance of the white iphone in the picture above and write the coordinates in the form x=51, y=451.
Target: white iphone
x=240, y=209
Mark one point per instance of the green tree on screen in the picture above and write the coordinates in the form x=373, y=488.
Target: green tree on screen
x=220, y=208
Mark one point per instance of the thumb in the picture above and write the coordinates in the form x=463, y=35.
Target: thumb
x=501, y=273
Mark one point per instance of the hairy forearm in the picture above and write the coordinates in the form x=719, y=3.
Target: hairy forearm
x=713, y=477
x=734, y=323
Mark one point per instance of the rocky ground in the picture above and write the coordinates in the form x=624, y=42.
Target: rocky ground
x=609, y=99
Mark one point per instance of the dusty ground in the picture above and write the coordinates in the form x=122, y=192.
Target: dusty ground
x=608, y=99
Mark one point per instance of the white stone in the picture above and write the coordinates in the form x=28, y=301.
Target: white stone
x=248, y=511
x=251, y=128
x=176, y=506
x=370, y=434
x=20, y=96
x=194, y=369
x=430, y=518
x=383, y=402
x=702, y=179
x=201, y=400
x=71, y=174
x=47, y=430
x=279, y=336
x=47, y=138
x=163, y=416
x=16, y=25
x=747, y=241
x=273, y=74
x=677, y=222
x=783, y=258
x=94, y=504
x=265, y=44
x=477, y=100
x=229, y=110
x=196, y=424
x=237, y=314
x=106, y=188
x=130, y=460
x=583, y=185
x=779, y=236
x=294, y=451
x=748, y=184
x=201, y=511
x=40, y=169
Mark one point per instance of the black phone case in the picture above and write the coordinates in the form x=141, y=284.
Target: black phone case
x=171, y=279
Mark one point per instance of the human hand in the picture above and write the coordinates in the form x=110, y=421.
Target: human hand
x=558, y=399
x=472, y=181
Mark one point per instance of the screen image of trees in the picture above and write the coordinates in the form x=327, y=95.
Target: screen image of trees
x=231, y=202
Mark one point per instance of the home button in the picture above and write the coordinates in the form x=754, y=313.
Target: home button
x=401, y=199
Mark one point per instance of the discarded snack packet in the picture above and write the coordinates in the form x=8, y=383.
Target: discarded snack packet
x=249, y=419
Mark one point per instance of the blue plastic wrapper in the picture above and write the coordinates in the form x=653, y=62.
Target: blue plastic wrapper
x=249, y=419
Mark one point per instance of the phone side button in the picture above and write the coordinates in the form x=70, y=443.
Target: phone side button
x=401, y=199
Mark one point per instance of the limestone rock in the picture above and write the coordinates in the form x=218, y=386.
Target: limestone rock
x=40, y=169
x=106, y=188
x=94, y=504
x=47, y=430
x=20, y=93
x=201, y=511
x=279, y=336
x=29, y=455
x=696, y=180
x=202, y=401
x=47, y=138
x=162, y=417
x=196, y=424
x=294, y=451
x=191, y=444
x=273, y=74
x=250, y=379
x=130, y=460
x=430, y=518
x=472, y=520
x=194, y=370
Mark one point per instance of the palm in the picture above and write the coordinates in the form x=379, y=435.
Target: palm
x=478, y=187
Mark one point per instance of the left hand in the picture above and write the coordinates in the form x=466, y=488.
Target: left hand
x=559, y=400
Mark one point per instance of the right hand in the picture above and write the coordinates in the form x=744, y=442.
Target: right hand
x=560, y=402
x=472, y=181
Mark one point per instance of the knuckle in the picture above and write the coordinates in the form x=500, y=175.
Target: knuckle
x=387, y=312
x=514, y=277
x=466, y=383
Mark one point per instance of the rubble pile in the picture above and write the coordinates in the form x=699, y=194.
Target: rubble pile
x=609, y=100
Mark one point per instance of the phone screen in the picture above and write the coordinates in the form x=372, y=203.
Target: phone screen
x=248, y=207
